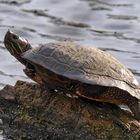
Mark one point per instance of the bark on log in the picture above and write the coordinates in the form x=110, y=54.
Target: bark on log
x=31, y=113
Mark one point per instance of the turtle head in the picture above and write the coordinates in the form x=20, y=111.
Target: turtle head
x=15, y=44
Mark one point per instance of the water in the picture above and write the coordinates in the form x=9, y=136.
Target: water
x=112, y=25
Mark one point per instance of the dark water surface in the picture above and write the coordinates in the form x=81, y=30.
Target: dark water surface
x=113, y=25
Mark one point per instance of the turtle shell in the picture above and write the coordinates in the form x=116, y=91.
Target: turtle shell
x=85, y=64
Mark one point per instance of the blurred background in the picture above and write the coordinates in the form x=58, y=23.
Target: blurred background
x=112, y=25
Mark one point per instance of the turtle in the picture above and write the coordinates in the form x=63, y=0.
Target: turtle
x=84, y=70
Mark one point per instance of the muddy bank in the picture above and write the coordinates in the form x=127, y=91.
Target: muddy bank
x=31, y=113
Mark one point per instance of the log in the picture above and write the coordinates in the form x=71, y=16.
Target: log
x=30, y=113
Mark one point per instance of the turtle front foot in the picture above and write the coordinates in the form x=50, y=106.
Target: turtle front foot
x=33, y=75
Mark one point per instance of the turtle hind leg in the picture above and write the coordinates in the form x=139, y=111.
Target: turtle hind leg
x=119, y=96
x=134, y=106
x=110, y=95
x=132, y=102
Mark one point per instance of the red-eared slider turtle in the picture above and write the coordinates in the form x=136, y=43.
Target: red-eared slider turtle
x=89, y=72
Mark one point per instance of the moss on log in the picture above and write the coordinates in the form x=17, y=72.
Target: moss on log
x=28, y=112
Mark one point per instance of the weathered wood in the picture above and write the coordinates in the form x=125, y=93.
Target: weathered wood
x=31, y=113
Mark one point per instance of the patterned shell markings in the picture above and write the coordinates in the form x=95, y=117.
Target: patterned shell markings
x=85, y=64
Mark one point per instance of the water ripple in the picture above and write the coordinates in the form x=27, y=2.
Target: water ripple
x=57, y=20
x=116, y=50
x=112, y=26
x=14, y=2
x=118, y=35
x=10, y=75
x=122, y=17
x=111, y=4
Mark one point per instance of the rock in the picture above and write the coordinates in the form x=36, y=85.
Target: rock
x=31, y=113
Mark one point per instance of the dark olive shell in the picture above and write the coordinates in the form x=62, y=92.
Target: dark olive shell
x=84, y=64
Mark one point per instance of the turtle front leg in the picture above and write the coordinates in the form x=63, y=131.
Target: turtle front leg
x=33, y=75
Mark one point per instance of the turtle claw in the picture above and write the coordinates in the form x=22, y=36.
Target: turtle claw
x=71, y=95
